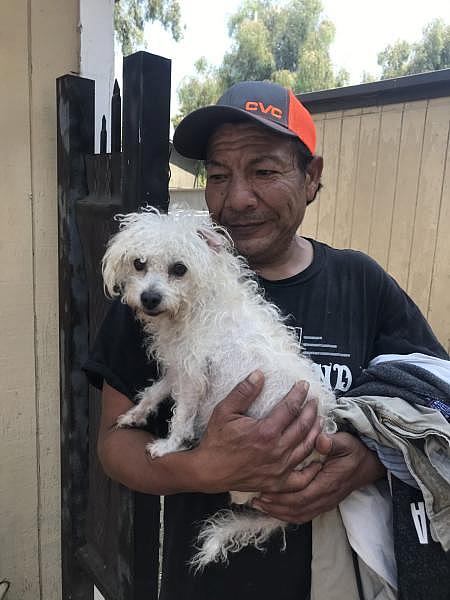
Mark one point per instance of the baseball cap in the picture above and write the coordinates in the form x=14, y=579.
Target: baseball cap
x=269, y=104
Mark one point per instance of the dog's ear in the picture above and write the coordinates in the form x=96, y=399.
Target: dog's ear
x=112, y=270
x=118, y=288
x=112, y=286
x=217, y=239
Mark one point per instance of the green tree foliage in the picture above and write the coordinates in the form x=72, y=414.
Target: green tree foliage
x=198, y=90
x=130, y=17
x=430, y=54
x=367, y=77
x=316, y=71
x=287, y=42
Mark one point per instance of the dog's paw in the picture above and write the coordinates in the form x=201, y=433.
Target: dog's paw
x=157, y=448
x=131, y=419
x=242, y=497
x=162, y=447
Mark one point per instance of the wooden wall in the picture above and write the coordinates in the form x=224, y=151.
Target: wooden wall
x=387, y=192
x=38, y=42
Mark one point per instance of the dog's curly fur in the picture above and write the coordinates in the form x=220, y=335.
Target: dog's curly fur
x=208, y=327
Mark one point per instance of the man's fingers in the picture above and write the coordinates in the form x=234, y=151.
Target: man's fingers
x=298, y=430
x=300, y=480
x=306, y=445
x=299, y=485
x=241, y=396
x=324, y=444
x=337, y=444
x=294, y=507
x=298, y=495
x=287, y=411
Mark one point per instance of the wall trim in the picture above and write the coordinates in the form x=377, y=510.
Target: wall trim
x=388, y=91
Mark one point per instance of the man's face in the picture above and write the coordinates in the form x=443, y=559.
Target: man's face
x=256, y=189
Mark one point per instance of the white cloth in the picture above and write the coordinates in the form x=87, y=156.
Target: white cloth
x=437, y=366
x=367, y=517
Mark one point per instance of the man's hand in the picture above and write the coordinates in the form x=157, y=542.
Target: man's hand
x=349, y=465
x=235, y=453
x=240, y=453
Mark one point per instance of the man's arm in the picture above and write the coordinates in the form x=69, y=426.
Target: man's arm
x=122, y=451
x=235, y=452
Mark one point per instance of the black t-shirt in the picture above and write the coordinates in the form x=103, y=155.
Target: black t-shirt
x=347, y=310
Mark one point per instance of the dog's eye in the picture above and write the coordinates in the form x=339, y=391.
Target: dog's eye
x=139, y=265
x=178, y=269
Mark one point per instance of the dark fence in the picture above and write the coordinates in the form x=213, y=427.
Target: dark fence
x=110, y=536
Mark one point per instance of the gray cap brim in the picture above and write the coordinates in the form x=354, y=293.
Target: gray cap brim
x=192, y=134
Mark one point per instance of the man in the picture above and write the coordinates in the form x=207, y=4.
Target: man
x=262, y=172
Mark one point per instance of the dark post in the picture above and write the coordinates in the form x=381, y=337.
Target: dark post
x=110, y=534
x=116, y=120
x=146, y=114
x=75, y=139
x=103, y=136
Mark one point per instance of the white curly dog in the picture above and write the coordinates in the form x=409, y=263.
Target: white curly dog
x=208, y=327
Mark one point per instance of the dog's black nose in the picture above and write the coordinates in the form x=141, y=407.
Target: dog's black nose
x=150, y=300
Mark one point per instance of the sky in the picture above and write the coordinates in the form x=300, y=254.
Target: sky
x=363, y=28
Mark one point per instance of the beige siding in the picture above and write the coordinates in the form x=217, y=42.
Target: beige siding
x=331, y=142
x=18, y=483
x=312, y=214
x=365, y=179
x=38, y=42
x=439, y=301
x=405, y=201
x=181, y=178
x=385, y=183
x=345, y=185
x=387, y=192
x=428, y=201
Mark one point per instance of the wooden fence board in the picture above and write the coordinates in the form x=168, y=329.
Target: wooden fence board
x=349, y=149
x=439, y=305
x=385, y=182
x=331, y=155
x=309, y=225
x=410, y=156
x=428, y=202
x=365, y=180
